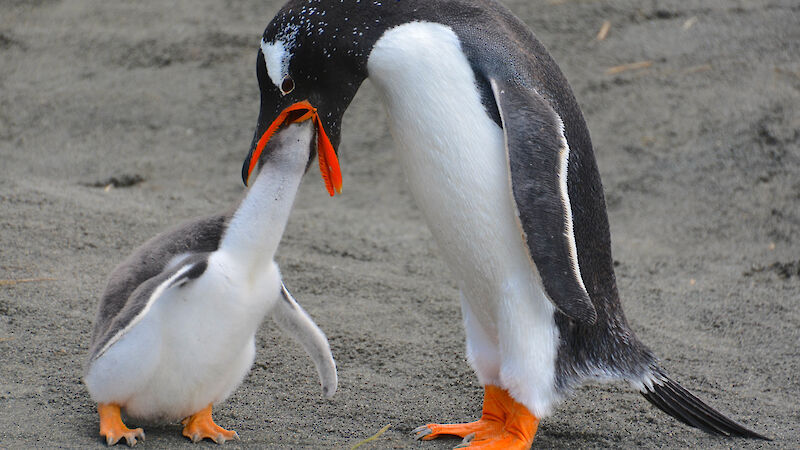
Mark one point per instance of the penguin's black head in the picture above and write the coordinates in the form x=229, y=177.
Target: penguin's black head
x=309, y=68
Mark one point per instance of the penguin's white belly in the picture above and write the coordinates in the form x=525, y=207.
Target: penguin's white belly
x=455, y=161
x=192, y=348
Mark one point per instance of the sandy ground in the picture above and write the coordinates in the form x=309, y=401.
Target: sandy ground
x=699, y=153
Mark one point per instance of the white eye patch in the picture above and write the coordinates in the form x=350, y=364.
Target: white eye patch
x=276, y=58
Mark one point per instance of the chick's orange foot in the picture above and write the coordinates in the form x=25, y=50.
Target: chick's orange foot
x=201, y=426
x=113, y=429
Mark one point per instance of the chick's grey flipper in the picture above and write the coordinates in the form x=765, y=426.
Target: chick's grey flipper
x=294, y=321
x=143, y=298
x=538, y=156
x=197, y=236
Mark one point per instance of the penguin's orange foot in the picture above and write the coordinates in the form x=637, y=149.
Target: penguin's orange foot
x=112, y=428
x=483, y=434
x=504, y=424
x=201, y=426
x=482, y=428
x=509, y=442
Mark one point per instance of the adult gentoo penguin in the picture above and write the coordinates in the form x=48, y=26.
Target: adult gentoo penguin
x=175, y=330
x=500, y=162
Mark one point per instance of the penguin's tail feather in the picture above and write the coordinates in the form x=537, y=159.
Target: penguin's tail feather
x=295, y=322
x=670, y=397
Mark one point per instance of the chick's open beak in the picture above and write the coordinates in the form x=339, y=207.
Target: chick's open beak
x=328, y=162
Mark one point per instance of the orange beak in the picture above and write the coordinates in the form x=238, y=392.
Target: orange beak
x=328, y=162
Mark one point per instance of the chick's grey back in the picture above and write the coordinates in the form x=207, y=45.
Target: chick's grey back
x=201, y=235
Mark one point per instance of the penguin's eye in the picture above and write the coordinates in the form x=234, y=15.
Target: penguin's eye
x=287, y=85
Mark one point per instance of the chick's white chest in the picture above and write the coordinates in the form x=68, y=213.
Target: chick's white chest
x=193, y=346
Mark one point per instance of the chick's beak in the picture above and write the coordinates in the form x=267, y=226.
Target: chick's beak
x=328, y=162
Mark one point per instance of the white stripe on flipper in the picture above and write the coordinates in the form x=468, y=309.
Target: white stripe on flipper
x=563, y=173
x=156, y=293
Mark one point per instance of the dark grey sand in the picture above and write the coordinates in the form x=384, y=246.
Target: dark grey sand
x=700, y=158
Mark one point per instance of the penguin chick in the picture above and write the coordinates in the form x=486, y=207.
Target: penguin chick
x=175, y=329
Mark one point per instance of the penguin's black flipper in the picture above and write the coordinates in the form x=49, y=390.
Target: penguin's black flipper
x=673, y=399
x=538, y=156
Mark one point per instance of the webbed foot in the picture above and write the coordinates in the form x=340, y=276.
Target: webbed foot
x=201, y=426
x=504, y=424
x=112, y=428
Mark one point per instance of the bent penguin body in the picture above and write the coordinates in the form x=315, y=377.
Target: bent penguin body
x=500, y=162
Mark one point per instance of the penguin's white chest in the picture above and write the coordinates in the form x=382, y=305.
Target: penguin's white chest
x=455, y=161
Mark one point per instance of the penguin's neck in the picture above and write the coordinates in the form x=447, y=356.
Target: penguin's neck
x=256, y=227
